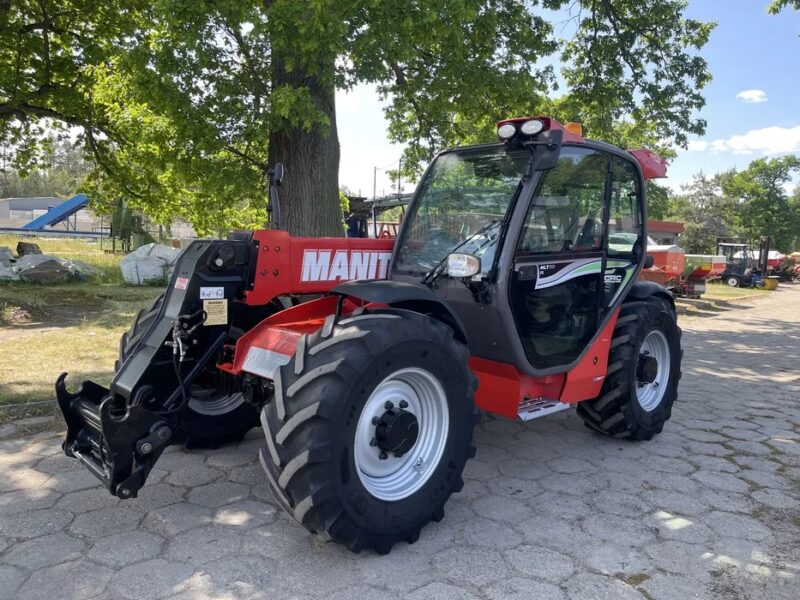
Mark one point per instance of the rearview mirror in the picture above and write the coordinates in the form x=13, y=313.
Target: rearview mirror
x=461, y=265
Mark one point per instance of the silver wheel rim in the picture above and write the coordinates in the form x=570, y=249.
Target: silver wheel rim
x=650, y=395
x=733, y=282
x=213, y=403
x=396, y=478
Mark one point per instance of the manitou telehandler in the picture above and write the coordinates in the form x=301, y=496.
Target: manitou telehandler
x=367, y=360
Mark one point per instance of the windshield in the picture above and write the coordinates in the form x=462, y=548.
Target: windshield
x=462, y=203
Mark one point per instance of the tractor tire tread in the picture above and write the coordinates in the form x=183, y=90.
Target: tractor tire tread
x=298, y=455
x=613, y=412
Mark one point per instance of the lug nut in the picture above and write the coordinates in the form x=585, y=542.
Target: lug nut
x=403, y=404
x=375, y=420
x=383, y=455
x=388, y=405
x=373, y=442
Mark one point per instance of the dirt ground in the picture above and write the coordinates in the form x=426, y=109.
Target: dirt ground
x=709, y=509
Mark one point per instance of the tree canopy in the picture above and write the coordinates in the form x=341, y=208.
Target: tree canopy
x=744, y=204
x=183, y=106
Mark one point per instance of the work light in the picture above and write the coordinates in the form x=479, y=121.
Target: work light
x=532, y=127
x=506, y=131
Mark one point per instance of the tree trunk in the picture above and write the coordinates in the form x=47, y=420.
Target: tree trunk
x=309, y=196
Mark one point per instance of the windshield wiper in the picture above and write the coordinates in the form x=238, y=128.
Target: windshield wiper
x=439, y=268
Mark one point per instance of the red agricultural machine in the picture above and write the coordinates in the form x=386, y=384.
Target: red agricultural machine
x=366, y=360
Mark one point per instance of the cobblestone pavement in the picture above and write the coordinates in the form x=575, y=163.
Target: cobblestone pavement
x=549, y=511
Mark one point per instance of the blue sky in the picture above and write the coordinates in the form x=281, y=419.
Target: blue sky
x=752, y=110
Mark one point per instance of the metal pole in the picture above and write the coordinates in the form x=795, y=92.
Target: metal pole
x=374, y=182
x=399, y=176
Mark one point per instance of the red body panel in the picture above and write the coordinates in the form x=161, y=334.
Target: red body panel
x=281, y=332
x=586, y=379
x=501, y=386
x=653, y=166
x=296, y=265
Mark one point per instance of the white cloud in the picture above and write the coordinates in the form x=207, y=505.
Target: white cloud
x=698, y=146
x=752, y=96
x=768, y=140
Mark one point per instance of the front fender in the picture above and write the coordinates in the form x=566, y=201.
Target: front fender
x=643, y=289
x=408, y=296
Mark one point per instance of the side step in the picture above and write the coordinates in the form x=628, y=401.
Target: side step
x=118, y=446
x=533, y=408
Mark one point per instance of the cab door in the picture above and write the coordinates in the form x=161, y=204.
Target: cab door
x=625, y=239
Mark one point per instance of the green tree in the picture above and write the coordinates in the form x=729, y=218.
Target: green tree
x=764, y=204
x=777, y=6
x=706, y=213
x=62, y=172
x=185, y=105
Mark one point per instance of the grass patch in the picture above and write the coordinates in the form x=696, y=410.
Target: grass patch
x=636, y=579
x=71, y=328
x=721, y=291
x=68, y=326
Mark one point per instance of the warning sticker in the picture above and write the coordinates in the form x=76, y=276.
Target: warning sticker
x=216, y=312
x=181, y=283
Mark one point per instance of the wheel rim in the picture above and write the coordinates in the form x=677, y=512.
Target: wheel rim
x=212, y=402
x=649, y=395
x=393, y=478
x=733, y=282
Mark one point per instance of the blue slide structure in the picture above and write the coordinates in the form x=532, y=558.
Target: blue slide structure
x=59, y=213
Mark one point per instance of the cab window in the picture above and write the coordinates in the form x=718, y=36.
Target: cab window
x=624, y=219
x=566, y=213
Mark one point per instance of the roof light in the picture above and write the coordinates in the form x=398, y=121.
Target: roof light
x=574, y=127
x=532, y=127
x=506, y=131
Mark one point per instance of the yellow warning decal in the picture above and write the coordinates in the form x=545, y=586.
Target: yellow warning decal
x=216, y=312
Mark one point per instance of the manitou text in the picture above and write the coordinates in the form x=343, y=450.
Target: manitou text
x=325, y=265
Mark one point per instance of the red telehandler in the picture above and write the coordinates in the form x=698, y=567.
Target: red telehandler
x=366, y=361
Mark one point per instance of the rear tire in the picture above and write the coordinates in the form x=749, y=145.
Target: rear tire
x=323, y=457
x=733, y=282
x=213, y=417
x=627, y=407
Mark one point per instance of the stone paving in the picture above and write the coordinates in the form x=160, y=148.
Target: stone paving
x=549, y=510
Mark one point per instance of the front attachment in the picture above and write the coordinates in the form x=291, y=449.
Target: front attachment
x=118, y=444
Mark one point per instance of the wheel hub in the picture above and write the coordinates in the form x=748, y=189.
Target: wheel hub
x=397, y=431
x=401, y=434
x=646, y=369
x=653, y=370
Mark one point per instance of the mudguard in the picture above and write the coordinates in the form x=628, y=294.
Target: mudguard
x=409, y=296
x=643, y=289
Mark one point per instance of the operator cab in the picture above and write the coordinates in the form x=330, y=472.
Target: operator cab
x=533, y=241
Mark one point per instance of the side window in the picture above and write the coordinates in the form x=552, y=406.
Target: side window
x=566, y=213
x=624, y=219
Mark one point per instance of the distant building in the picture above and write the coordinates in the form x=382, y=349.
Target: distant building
x=664, y=232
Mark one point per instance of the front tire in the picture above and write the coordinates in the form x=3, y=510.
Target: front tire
x=644, y=367
x=370, y=428
x=733, y=282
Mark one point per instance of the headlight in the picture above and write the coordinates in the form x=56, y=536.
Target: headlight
x=463, y=265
